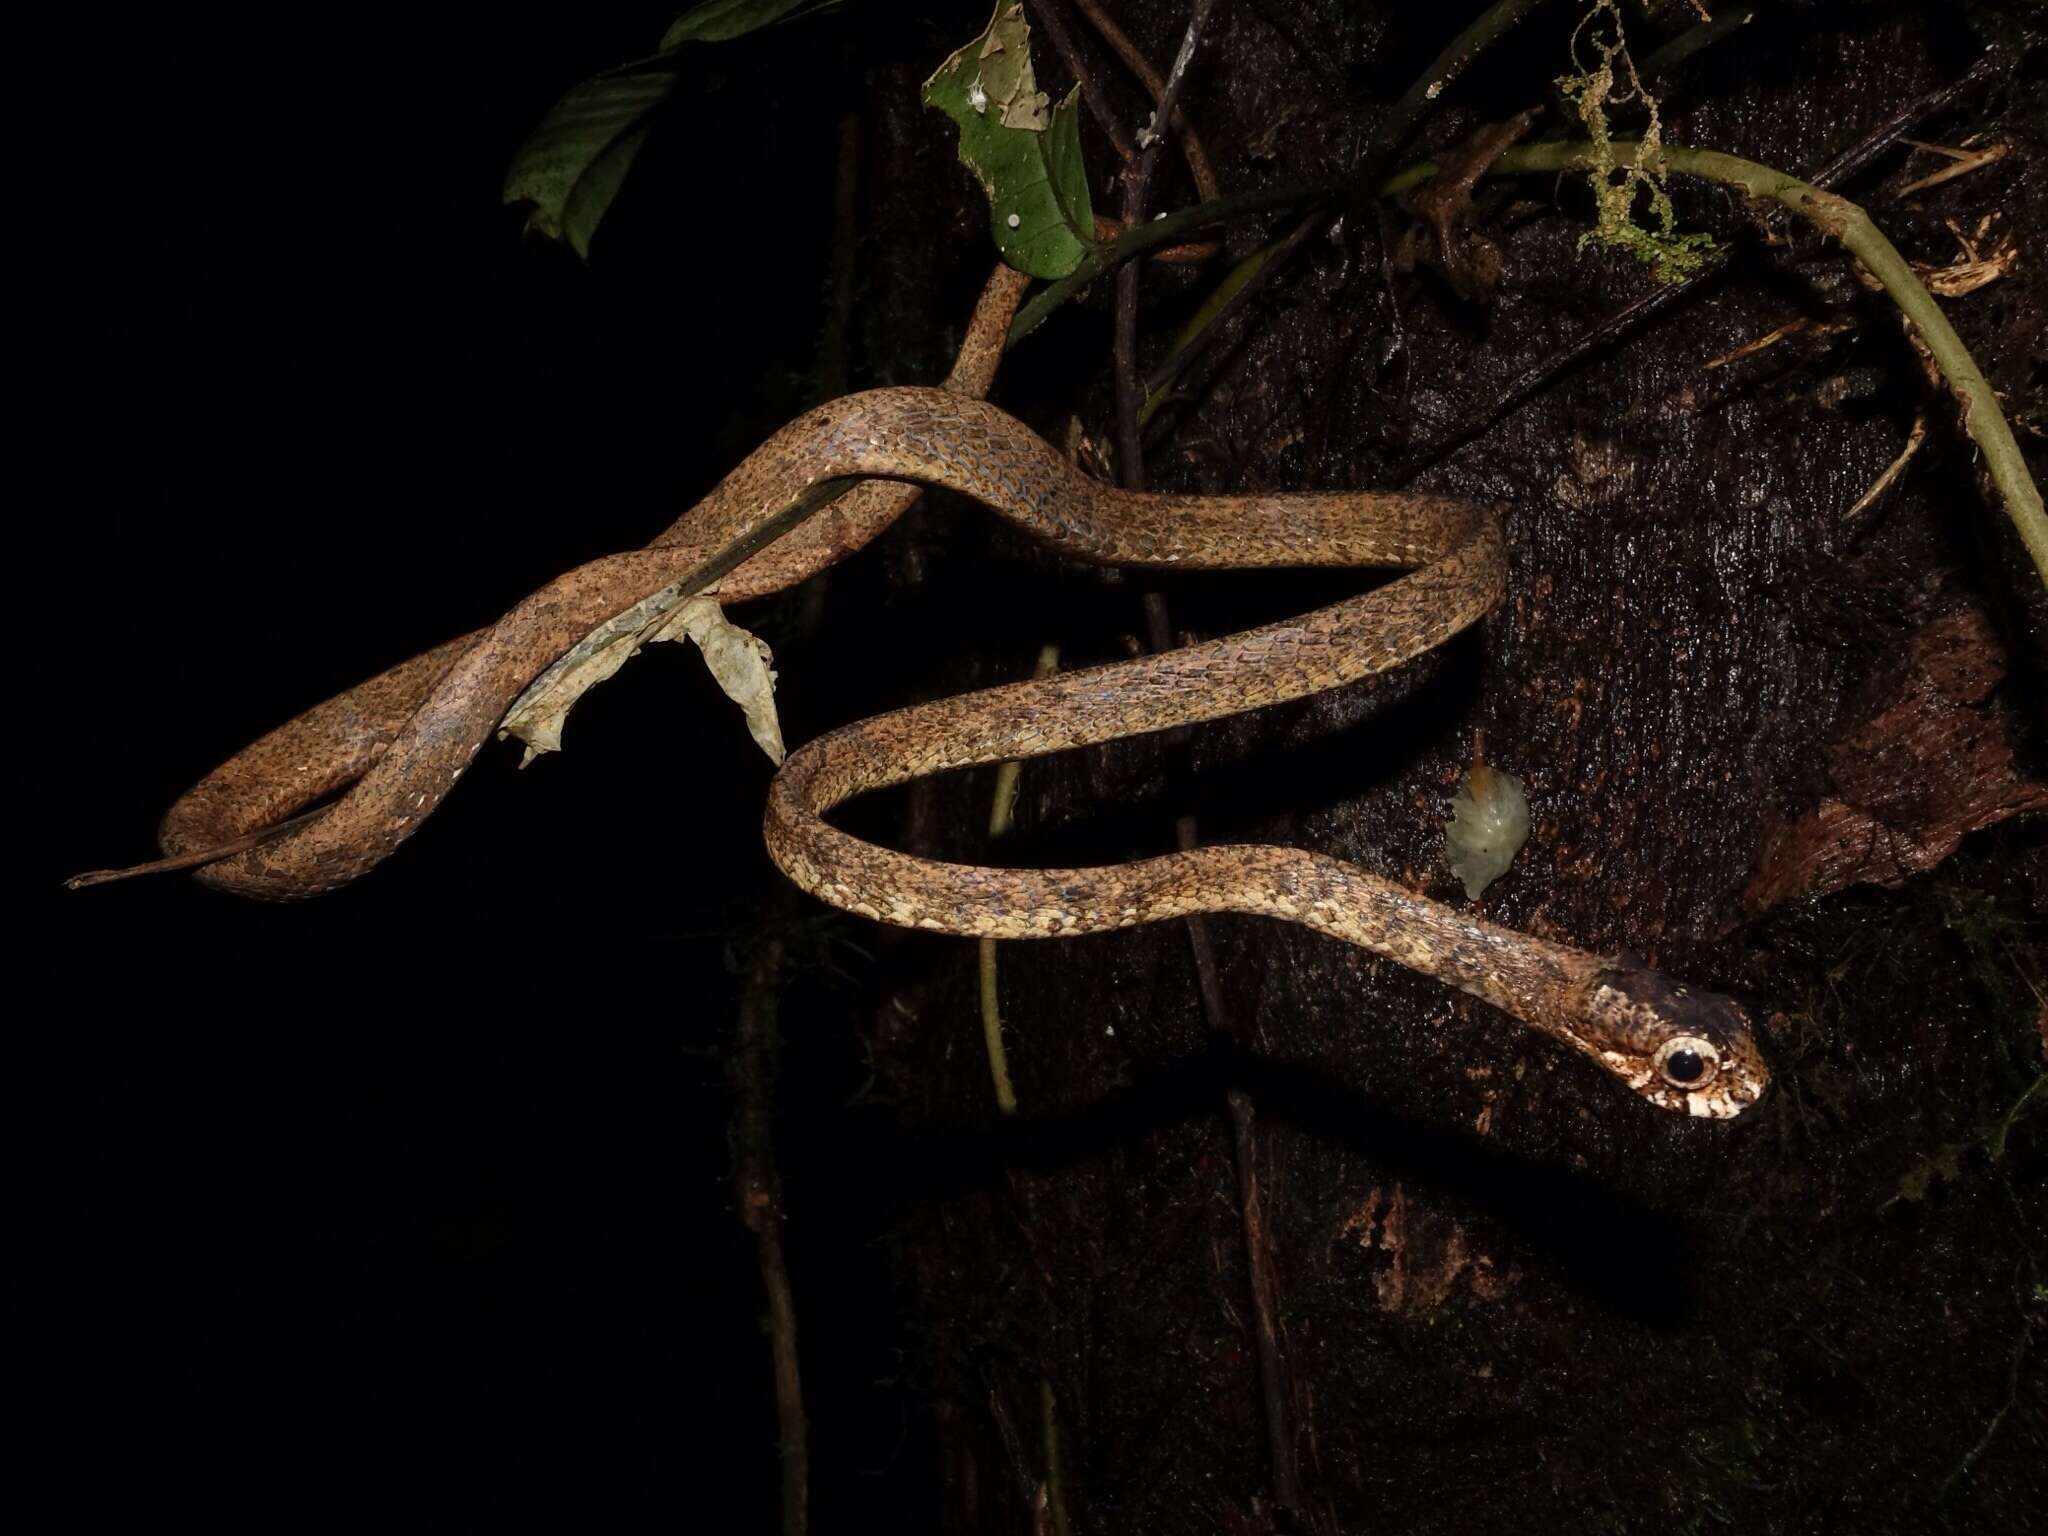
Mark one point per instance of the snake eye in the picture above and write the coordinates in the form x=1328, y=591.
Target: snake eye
x=1687, y=1061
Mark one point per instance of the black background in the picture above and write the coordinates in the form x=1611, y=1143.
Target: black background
x=414, y=1202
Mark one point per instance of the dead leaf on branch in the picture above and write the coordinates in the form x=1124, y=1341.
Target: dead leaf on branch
x=739, y=663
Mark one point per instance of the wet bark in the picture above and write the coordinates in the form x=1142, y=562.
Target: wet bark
x=1505, y=1291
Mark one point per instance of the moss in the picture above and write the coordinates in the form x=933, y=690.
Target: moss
x=1672, y=256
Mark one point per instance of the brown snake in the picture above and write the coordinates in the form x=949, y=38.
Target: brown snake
x=397, y=743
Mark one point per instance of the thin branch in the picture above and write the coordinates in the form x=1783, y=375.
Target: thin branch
x=1001, y=809
x=1130, y=447
x=1892, y=471
x=1135, y=61
x=757, y=1190
x=1106, y=228
x=1159, y=635
x=1265, y=1308
x=1137, y=186
x=1853, y=160
x=1252, y=274
x=1047, y=15
x=1726, y=19
x=1487, y=28
x=1176, y=77
x=1141, y=238
x=1237, y=289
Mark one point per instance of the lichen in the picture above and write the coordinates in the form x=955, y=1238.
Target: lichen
x=1673, y=257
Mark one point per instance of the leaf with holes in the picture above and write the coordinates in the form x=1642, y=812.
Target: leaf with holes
x=1025, y=152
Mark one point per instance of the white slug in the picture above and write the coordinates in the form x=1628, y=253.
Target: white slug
x=1489, y=823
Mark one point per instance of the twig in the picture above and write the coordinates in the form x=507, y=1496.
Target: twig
x=1137, y=185
x=1252, y=274
x=1961, y=162
x=1141, y=238
x=1726, y=19
x=1130, y=446
x=1770, y=338
x=1003, y=805
x=1237, y=289
x=1177, y=76
x=1190, y=142
x=1265, y=1309
x=757, y=1189
x=1159, y=634
x=757, y=1040
x=1135, y=61
x=1491, y=24
x=1047, y=15
x=1853, y=160
x=1893, y=470
x=1533, y=380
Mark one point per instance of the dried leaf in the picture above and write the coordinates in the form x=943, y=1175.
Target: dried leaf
x=538, y=718
x=739, y=663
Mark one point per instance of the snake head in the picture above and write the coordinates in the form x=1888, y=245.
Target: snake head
x=1678, y=1046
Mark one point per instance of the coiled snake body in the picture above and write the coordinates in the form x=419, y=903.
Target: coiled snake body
x=398, y=742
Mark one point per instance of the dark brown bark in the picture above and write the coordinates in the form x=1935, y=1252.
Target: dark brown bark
x=1505, y=1294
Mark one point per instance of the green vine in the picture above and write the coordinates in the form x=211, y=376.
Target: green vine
x=1672, y=256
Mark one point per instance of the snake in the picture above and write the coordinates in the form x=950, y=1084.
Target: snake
x=324, y=798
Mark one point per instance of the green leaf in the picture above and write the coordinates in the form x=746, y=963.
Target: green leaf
x=719, y=21
x=572, y=165
x=1025, y=152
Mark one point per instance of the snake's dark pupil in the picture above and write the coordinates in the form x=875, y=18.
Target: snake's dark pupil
x=1684, y=1066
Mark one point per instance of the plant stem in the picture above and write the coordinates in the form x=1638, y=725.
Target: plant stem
x=1726, y=19
x=1162, y=231
x=1850, y=162
x=1430, y=85
x=1848, y=223
x=1048, y=17
x=1001, y=809
x=757, y=1190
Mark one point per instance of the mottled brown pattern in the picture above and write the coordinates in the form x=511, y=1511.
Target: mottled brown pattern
x=406, y=736
x=403, y=738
